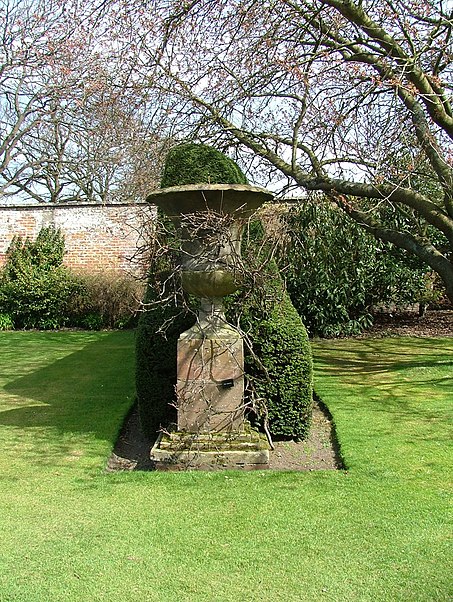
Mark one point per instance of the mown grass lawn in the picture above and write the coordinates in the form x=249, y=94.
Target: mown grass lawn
x=70, y=532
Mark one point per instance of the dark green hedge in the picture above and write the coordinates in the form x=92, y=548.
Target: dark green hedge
x=283, y=376
x=156, y=361
x=279, y=366
x=155, y=351
x=199, y=164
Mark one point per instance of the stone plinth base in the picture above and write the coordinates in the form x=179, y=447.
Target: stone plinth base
x=210, y=385
x=213, y=451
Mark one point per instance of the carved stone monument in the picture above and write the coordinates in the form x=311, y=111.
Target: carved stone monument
x=211, y=430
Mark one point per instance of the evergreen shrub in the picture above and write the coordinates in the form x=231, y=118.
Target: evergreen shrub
x=283, y=376
x=159, y=328
x=6, y=322
x=157, y=336
x=35, y=288
x=279, y=365
x=200, y=164
x=336, y=272
x=37, y=291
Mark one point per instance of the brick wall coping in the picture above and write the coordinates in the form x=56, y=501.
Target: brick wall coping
x=33, y=207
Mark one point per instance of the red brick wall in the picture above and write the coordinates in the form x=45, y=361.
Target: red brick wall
x=97, y=237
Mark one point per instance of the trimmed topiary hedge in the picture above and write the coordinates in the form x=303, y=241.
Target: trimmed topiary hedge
x=283, y=375
x=280, y=367
x=199, y=164
x=156, y=361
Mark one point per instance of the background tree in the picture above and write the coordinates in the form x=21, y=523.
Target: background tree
x=70, y=125
x=34, y=45
x=346, y=97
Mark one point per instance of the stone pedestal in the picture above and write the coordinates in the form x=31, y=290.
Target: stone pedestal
x=211, y=429
x=210, y=383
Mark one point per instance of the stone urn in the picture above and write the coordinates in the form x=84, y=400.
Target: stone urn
x=209, y=219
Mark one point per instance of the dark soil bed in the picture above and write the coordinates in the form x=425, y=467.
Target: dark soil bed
x=319, y=451
x=435, y=323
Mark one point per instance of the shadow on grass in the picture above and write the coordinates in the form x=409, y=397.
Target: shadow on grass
x=408, y=380
x=333, y=437
x=371, y=356
x=87, y=391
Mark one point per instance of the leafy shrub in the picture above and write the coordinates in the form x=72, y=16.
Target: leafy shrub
x=158, y=330
x=283, y=376
x=6, y=322
x=336, y=272
x=44, y=253
x=92, y=321
x=105, y=300
x=199, y=164
x=39, y=298
x=35, y=289
x=156, y=346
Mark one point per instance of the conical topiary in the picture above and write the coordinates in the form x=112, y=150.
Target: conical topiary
x=199, y=164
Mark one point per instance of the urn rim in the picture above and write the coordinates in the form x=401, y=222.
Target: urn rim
x=195, y=198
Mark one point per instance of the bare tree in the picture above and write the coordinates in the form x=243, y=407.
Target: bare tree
x=100, y=150
x=34, y=47
x=70, y=125
x=348, y=97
